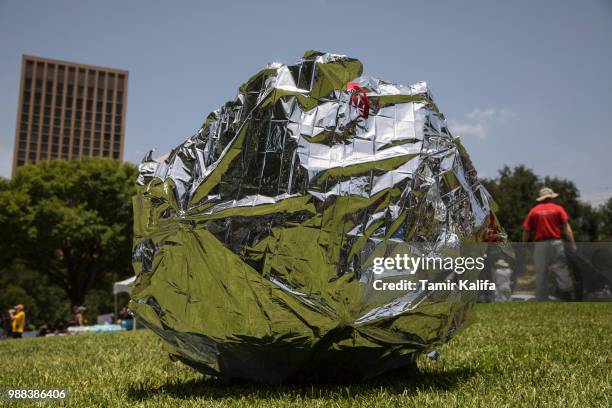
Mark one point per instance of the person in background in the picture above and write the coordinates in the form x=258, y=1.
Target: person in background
x=79, y=315
x=546, y=224
x=43, y=331
x=125, y=319
x=124, y=314
x=17, y=321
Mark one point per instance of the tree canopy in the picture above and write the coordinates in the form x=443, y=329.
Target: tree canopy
x=515, y=190
x=70, y=221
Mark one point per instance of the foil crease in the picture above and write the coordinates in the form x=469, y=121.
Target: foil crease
x=254, y=238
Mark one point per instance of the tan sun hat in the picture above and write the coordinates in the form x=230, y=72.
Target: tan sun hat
x=545, y=193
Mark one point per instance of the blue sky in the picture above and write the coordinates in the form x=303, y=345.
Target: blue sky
x=522, y=82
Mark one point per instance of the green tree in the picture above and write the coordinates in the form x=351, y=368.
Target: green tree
x=606, y=220
x=70, y=221
x=584, y=219
x=515, y=191
x=45, y=302
x=13, y=216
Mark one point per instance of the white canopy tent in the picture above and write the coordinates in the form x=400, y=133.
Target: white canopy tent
x=124, y=286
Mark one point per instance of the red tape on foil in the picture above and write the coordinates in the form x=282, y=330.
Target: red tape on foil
x=493, y=232
x=359, y=99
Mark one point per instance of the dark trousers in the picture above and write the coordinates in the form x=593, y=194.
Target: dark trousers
x=17, y=335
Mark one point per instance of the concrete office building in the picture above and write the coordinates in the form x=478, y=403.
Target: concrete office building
x=69, y=110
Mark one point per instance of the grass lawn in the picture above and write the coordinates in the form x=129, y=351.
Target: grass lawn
x=519, y=354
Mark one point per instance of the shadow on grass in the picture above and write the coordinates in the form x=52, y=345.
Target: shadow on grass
x=400, y=381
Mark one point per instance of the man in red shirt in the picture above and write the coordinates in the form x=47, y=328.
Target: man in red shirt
x=546, y=224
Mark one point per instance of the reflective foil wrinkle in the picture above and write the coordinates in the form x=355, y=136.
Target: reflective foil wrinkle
x=254, y=238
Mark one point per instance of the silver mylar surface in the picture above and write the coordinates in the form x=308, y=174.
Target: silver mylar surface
x=254, y=238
